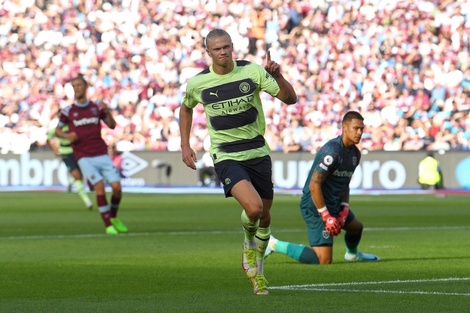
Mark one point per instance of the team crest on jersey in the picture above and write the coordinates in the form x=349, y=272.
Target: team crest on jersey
x=328, y=160
x=244, y=87
x=354, y=161
x=325, y=234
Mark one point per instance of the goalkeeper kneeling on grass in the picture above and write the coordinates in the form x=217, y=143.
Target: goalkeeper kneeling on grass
x=325, y=200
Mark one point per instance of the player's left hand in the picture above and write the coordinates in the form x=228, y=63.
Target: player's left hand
x=72, y=136
x=272, y=67
x=343, y=214
x=189, y=157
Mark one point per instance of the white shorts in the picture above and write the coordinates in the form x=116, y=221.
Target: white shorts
x=98, y=168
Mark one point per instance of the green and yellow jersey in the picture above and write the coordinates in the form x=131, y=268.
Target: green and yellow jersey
x=65, y=147
x=233, y=108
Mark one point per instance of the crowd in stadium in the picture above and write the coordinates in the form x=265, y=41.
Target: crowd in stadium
x=404, y=65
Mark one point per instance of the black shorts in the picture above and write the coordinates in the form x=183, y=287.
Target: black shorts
x=70, y=162
x=257, y=171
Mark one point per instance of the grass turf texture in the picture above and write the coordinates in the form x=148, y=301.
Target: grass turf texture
x=183, y=254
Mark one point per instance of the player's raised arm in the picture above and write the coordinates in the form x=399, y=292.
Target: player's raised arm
x=109, y=119
x=286, y=93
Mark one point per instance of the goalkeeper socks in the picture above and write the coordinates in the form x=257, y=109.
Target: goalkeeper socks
x=262, y=240
x=297, y=252
x=249, y=227
x=352, y=241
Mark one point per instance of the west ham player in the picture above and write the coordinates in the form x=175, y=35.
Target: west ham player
x=84, y=118
x=64, y=149
x=325, y=200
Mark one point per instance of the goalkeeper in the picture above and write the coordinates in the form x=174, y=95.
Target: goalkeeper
x=324, y=204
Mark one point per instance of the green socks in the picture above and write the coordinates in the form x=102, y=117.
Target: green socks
x=249, y=227
x=82, y=193
x=262, y=241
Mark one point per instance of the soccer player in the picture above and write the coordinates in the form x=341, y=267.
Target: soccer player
x=229, y=91
x=65, y=151
x=84, y=118
x=325, y=200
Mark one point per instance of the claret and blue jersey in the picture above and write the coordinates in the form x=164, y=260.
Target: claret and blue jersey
x=85, y=121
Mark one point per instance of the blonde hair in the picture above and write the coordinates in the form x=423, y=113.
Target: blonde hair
x=215, y=33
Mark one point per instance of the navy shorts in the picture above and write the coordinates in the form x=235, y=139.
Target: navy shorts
x=257, y=171
x=70, y=162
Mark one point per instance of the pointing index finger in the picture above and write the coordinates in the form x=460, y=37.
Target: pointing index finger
x=268, y=56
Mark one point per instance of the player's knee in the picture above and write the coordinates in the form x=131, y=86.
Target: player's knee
x=254, y=214
x=99, y=187
x=325, y=256
x=254, y=210
x=325, y=260
x=116, y=188
x=355, y=227
x=308, y=256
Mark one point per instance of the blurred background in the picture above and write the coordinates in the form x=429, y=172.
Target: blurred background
x=404, y=65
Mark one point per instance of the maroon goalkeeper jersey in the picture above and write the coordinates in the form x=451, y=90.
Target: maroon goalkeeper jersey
x=85, y=121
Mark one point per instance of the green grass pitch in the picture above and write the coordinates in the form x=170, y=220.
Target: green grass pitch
x=183, y=254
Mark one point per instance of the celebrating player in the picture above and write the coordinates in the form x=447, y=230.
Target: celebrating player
x=84, y=118
x=325, y=200
x=229, y=91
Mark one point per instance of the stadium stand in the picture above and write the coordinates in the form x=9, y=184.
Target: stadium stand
x=403, y=64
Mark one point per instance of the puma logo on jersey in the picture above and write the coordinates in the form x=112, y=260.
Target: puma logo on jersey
x=214, y=93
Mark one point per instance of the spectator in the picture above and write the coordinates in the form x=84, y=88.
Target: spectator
x=138, y=54
x=430, y=173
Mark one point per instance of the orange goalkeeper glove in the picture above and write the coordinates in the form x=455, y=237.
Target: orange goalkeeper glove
x=343, y=214
x=332, y=225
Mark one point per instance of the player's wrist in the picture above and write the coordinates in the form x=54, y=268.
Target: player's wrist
x=185, y=146
x=324, y=213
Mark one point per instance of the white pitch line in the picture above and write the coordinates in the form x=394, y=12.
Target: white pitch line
x=145, y=234
x=415, y=228
x=320, y=287
x=179, y=233
x=384, y=282
x=382, y=291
